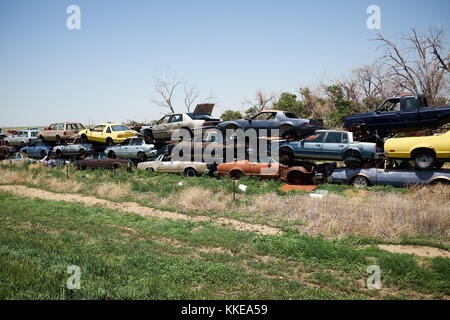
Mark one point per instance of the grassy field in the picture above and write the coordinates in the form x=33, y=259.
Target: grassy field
x=147, y=237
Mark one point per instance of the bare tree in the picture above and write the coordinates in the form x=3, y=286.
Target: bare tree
x=415, y=68
x=261, y=101
x=165, y=87
x=436, y=43
x=190, y=95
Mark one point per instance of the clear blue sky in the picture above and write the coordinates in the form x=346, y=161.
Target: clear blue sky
x=104, y=72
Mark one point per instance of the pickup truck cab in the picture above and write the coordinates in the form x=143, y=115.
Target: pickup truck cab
x=399, y=113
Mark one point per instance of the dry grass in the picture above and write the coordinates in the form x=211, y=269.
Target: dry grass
x=113, y=191
x=198, y=199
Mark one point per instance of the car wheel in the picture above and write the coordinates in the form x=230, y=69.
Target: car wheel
x=41, y=138
x=112, y=155
x=84, y=138
x=58, y=140
x=22, y=144
x=190, y=172
x=352, y=162
x=360, y=181
x=424, y=159
x=236, y=174
x=141, y=157
x=150, y=169
x=294, y=178
x=109, y=142
x=43, y=154
x=286, y=157
x=82, y=153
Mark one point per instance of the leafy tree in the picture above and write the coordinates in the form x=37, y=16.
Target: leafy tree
x=250, y=112
x=342, y=107
x=231, y=115
x=288, y=102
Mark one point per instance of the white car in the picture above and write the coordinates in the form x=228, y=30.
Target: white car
x=164, y=163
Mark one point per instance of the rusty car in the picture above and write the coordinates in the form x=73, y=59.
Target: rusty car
x=100, y=160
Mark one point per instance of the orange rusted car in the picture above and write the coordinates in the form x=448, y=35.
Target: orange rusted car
x=267, y=169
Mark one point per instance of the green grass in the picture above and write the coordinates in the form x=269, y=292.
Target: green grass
x=127, y=256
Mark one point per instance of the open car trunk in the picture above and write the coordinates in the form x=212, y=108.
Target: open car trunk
x=204, y=108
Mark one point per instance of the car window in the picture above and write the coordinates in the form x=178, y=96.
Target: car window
x=99, y=128
x=176, y=118
x=317, y=137
x=422, y=102
x=52, y=127
x=120, y=128
x=333, y=137
x=135, y=142
x=291, y=115
x=34, y=134
x=344, y=137
x=265, y=116
x=61, y=126
x=125, y=142
x=164, y=120
x=390, y=105
x=411, y=104
x=108, y=130
x=199, y=116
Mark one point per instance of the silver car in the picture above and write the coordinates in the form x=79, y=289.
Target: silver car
x=24, y=138
x=134, y=148
x=74, y=149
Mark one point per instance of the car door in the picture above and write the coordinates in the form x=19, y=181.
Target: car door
x=31, y=150
x=159, y=130
x=165, y=165
x=134, y=148
x=311, y=146
x=96, y=133
x=410, y=113
x=175, y=123
x=389, y=114
x=263, y=120
x=334, y=145
x=122, y=150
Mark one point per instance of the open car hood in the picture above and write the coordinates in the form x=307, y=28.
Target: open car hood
x=204, y=108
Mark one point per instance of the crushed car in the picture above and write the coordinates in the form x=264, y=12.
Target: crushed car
x=134, y=148
x=22, y=139
x=389, y=177
x=398, y=113
x=37, y=149
x=75, y=148
x=6, y=152
x=427, y=152
x=60, y=132
x=192, y=122
x=268, y=168
x=108, y=133
x=289, y=124
x=164, y=163
x=331, y=145
x=99, y=160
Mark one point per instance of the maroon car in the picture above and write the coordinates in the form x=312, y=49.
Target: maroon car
x=100, y=160
x=6, y=151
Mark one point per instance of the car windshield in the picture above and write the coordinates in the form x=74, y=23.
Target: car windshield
x=120, y=128
x=199, y=116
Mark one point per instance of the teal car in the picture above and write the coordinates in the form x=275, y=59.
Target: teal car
x=330, y=145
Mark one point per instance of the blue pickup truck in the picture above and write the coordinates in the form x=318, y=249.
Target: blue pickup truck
x=399, y=113
x=330, y=145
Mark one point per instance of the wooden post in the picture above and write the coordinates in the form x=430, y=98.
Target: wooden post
x=234, y=190
x=67, y=172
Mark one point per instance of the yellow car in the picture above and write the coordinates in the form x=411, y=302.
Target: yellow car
x=427, y=152
x=109, y=133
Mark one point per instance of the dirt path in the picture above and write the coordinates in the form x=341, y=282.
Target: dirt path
x=417, y=250
x=133, y=207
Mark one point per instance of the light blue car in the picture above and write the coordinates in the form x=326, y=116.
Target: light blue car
x=134, y=148
x=37, y=149
x=389, y=177
x=330, y=145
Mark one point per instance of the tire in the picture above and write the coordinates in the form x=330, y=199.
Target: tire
x=438, y=164
x=424, y=159
x=190, y=172
x=84, y=138
x=82, y=153
x=286, y=156
x=112, y=155
x=41, y=138
x=236, y=174
x=141, y=157
x=360, y=181
x=58, y=140
x=109, y=142
x=43, y=154
x=150, y=169
x=352, y=162
x=295, y=178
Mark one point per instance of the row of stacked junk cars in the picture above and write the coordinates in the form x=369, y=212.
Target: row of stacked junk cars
x=303, y=152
